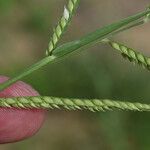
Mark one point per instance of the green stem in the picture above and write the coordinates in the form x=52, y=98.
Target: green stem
x=72, y=46
x=98, y=35
x=26, y=72
x=140, y=22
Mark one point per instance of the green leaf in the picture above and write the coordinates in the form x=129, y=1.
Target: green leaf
x=97, y=35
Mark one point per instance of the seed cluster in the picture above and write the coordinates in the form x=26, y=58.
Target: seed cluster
x=131, y=54
x=62, y=25
x=71, y=104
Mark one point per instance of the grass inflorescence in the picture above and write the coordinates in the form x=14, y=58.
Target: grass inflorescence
x=55, y=53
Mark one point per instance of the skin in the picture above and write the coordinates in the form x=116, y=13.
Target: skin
x=19, y=124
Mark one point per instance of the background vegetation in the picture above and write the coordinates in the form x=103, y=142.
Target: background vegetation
x=98, y=72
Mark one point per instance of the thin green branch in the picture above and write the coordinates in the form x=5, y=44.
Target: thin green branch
x=71, y=104
x=127, y=52
x=146, y=19
x=28, y=71
x=62, y=25
x=70, y=47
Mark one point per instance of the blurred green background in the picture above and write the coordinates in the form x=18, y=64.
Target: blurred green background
x=98, y=72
